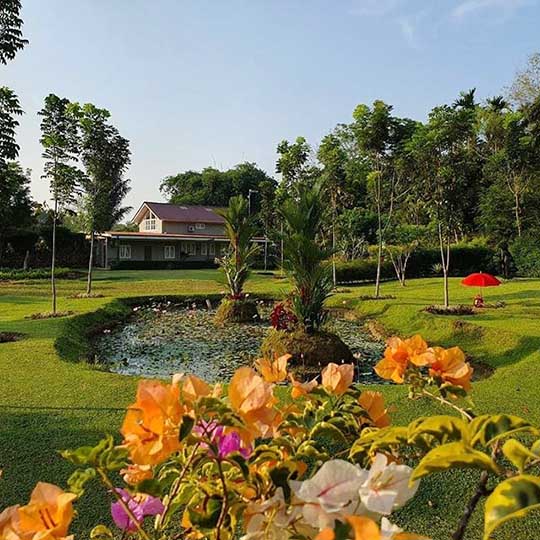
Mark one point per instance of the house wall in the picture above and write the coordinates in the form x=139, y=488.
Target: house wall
x=182, y=228
x=182, y=251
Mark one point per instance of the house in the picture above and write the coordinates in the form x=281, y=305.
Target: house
x=169, y=235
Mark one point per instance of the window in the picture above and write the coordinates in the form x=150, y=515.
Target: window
x=169, y=252
x=200, y=225
x=150, y=222
x=212, y=249
x=125, y=252
x=192, y=248
x=204, y=249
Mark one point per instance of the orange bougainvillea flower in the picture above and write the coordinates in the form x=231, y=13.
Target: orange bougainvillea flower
x=450, y=366
x=48, y=514
x=253, y=399
x=151, y=425
x=273, y=371
x=373, y=404
x=193, y=388
x=134, y=474
x=8, y=519
x=299, y=389
x=363, y=528
x=337, y=379
x=399, y=353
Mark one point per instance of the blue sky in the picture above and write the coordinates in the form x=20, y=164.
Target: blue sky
x=200, y=82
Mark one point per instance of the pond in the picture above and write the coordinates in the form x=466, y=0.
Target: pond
x=161, y=339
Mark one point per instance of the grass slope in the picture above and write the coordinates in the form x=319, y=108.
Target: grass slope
x=47, y=404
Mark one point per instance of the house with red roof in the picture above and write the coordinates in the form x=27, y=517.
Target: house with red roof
x=169, y=235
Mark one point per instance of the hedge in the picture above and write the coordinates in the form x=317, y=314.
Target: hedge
x=10, y=274
x=162, y=265
x=526, y=254
x=464, y=260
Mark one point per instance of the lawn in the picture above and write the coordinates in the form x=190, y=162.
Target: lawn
x=47, y=404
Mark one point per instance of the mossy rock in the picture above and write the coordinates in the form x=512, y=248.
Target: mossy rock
x=236, y=311
x=317, y=349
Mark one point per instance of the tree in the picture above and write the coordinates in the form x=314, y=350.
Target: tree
x=11, y=38
x=333, y=159
x=106, y=157
x=304, y=256
x=439, y=154
x=240, y=229
x=293, y=164
x=9, y=110
x=404, y=239
x=525, y=88
x=380, y=137
x=59, y=138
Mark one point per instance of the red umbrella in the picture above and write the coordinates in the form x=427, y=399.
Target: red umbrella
x=479, y=279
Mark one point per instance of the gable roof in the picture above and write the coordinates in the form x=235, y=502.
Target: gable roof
x=180, y=213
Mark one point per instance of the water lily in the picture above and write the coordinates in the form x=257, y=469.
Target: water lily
x=386, y=487
x=48, y=514
x=140, y=505
x=331, y=493
x=337, y=379
x=151, y=425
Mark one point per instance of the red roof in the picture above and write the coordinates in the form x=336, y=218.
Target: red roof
x=183, y=214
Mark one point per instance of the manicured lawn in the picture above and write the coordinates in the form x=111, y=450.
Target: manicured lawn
x=47, y=404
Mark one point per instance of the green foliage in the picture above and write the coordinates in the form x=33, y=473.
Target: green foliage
x=305, y=258
x=11, y=37
x=9, y=110
x=240, y=229
x=526, y=254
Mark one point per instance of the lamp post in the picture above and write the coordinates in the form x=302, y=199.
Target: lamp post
x=249, y=199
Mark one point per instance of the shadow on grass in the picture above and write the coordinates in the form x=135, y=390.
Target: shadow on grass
x=31, y=440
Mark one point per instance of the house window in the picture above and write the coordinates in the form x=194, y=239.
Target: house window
x=125, y=252
x=150, y=222
x=204, y=249
x=170, y=252
x=200, y=225
x=192, y=248
x=212, y=249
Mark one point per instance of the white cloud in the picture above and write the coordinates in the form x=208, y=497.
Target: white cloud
x=467, y=7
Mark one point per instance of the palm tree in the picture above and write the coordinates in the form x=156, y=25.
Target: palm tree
x=305, y=260
x=240, y=229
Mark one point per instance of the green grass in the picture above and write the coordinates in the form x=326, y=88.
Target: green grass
x=47, y=404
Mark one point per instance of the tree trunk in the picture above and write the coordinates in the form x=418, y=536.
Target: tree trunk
x=281, y=249
x=517, y=211
x=26, y=259
x=379, y=262
x=90, y=265
x=53, y=256
x=334, y=278
x=445, y=260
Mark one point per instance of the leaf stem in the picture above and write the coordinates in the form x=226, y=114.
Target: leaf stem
x=444, y=401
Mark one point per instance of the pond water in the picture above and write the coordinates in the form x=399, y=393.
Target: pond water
x=159, y=340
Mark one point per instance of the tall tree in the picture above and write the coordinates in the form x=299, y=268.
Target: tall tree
x=380, y=137
x=106, y=157
x=333, y=159
x=525, y=87
x=59, y=138
x=293, y=165
x=440, y=153
x=9, y=110
x=11, y=37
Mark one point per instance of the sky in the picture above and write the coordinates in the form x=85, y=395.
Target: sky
x=217, y=82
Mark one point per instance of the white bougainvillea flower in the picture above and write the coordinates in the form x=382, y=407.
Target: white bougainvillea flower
x=387, y=486
x=331, y=493
x=269, y=520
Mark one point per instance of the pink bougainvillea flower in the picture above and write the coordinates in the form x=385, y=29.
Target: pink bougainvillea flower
x=227, y=441
x=331, y=493
x=386, y=487
x=48, y=514
x=337, y=379
x=141, y=505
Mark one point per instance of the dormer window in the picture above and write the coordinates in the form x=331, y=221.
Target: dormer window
x=149, y=223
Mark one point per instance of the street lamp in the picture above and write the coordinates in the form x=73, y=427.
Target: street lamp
x=249, y=199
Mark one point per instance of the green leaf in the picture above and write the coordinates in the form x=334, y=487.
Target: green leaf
x=104, y=455
x=327, y=430
x=486, y=429
x=517, y=454
x=78, y=479
x=378, y=439
x=186, y=426
x=514, y=498
x=101, y=532
x=442, y=428
x=455, y=455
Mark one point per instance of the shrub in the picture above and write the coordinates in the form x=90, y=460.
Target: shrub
x=162, y=265
x=8, y=274
x=236, y=310
x=198, y=463
x=282, y=317
x=526, y=254
x=460, y=309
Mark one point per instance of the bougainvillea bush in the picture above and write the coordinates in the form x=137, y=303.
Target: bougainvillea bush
x=201, y=462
